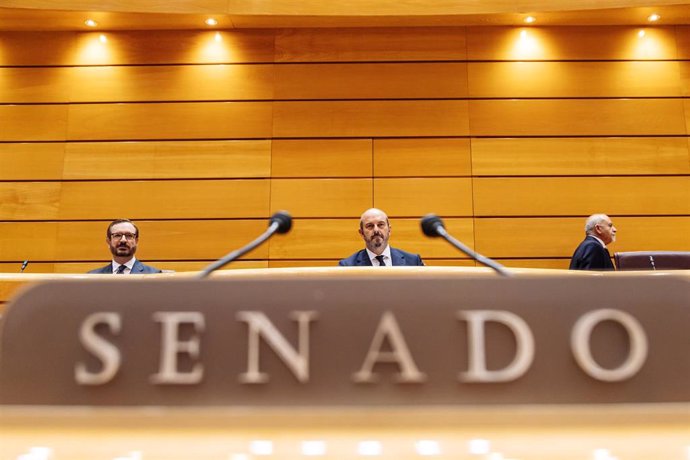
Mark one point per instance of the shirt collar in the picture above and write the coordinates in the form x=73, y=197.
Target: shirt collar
x=386, y=255
x=129, y=264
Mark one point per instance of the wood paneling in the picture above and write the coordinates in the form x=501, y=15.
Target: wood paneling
x=84, y=267
x=194, y=120
x=382, y=44
x=34, y=84
x=29, y=200
x=525, y=237
x=134, y=199
x=580, y=156
x=422, y=157
x=169, y=240
x=31, y=161
x=164, y=199
x=321, y=197
x=213, y=82
x=135, y=47
x=155, y=160
x=415, y=197
x=370, y=118
x=371, y=81
x=685, y=77
x=321, y=158
x=570, y=117
x=565, y=196
x=335, y=239
x=570, y=43
x=683, y=39
x=33, y=122
x=574, y=79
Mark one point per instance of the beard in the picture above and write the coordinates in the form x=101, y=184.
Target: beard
x=122, y=250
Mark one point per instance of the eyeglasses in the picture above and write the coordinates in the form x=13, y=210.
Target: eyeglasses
x=118, y=236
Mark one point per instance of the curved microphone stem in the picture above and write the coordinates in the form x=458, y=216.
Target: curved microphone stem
x=241, y=251
x=475, y=255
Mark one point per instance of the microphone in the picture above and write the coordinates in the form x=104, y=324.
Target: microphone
x=651, y=261
x=24, y=264
x=432, y=226
x=280, y=222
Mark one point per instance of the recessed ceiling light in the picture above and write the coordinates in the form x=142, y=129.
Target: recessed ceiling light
x=103, y=38
x=211, y=22
x=641, y=33
x=90, y=23
x=427, y=447
x=529, y=19
x=653, y=17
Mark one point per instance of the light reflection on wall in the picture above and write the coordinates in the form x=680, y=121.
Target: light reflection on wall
x=527, y=45
x=94, y=48
x=213, y=48
x=647, y=45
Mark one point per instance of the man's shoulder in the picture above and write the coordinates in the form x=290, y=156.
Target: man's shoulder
x=140, y=267
x=354, y=259
x=105, y=269
x=408, y=257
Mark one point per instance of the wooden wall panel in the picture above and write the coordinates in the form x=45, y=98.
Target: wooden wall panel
x=33, y=122
x=373, y=44
x=370, y=118
x=415, y=197
x=515, y=237
x=422, y=157
x=167, y=121
x=335, y=239
x=215, y=82
x=685, y=77
x=135, y=47
x=31, y=161
x=321, y=197
x=570, y=43
x=574, y=79
x=580, y=156
x=29, y=200
x=170, y=199
x=371, y=81
x=567, y=196
x=169, y=240
x=168, y=160
x=47, y=84
x=84, y=267
x=683, y=39
x=321, y=158
x=570, y=117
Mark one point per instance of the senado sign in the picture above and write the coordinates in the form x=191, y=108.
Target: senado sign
x=335, y=341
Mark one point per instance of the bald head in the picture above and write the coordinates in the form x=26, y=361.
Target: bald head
x=375, y=230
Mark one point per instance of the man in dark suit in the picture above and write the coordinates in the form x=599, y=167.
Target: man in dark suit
x=375, y=230
x=122, y=238
x=592, y=254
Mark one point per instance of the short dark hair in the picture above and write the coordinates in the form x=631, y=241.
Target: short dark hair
x=121, y=221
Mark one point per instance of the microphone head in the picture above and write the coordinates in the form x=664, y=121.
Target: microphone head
x=284, y=221
x=431, y=224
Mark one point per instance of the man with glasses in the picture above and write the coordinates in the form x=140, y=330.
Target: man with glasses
x=592, y=254
x=122, y=237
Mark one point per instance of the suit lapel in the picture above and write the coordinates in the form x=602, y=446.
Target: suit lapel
x=363, y=259
x=397, y=258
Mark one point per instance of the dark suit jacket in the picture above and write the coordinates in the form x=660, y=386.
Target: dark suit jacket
x=138, y=269
x=361, y=259
x=591, y=255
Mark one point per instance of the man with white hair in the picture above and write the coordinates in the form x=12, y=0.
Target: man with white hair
x=375, y=230
x=592, y=254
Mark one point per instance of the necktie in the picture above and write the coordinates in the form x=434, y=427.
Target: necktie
x=380, y=259
x=121, y=270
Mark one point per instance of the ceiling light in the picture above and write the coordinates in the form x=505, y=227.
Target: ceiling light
x=641, y=33
x=313, y=448
x=261, y=447
x=479, y=446
x=653, y=17
x=90, y=23
x=529, y=19
x=369, y=448
x=102, y=38
x=427, y=447
x=211, y=22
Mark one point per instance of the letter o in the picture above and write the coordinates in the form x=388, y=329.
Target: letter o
x=579, y=343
